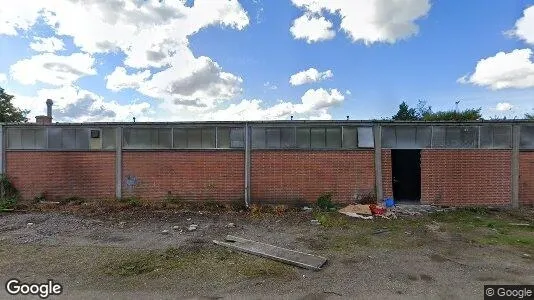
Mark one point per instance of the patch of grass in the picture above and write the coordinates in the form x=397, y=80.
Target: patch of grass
x=9, y=195
x=331, y=219
x=131, y=201
x=507, y=239
x=72, y=199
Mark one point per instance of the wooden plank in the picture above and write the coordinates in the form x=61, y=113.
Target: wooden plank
x=284, y=255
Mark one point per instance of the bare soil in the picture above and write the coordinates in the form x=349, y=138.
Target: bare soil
x=143, y=253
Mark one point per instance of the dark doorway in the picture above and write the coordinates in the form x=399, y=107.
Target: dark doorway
x=406, y=168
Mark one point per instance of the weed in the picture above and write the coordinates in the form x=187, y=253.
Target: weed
x=331, y=219
x=9, y=195
x=39, y=198
x=131, y=201
x=324, y=201
x=280, y=209
x=72, y=199
x=173, y=199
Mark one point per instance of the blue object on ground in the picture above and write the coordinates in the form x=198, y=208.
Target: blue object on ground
x=389, y=202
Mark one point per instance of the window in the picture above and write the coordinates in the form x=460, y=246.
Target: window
x=317, y=138
x=237, y=138
x=196, y=138
x=147, y=138
x=287, y=137
x=258, y=138
x=208, y=138
x=461, y=137
x=349, y=137
x=303, y=138
x=108, y=138
x=365, y=137
x=333, y=138
x=526, y=140
x=389, y=137
x=497, y=137
x=272, y=136
x=26, y=138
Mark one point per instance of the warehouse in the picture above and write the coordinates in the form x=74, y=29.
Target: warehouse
x=442, y=163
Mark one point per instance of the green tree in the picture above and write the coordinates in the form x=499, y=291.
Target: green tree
x=405, y=113
x=529, y=116
x=8, y=112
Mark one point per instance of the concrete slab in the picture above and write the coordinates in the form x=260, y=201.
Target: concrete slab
x=284, y=255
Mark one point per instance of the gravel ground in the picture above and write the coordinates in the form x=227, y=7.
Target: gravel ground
x=125, y=255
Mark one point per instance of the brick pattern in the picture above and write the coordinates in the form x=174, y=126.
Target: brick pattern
x=466, y=177
x=387, y=175
x=290, y=176
x=89, y=175
x=190, y=175
x=526, y=178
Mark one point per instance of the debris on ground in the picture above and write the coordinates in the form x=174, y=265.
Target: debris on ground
x=192, y=227
x=165, y=231
x=121, y=224
x=519, y=224
x=280, y=254
x=176, y=227
x=29, y=224
x=307, y=208
x=230, y=225
x=381, y=230
x=361, y=211
x=526, y=255
x=315, y=222
x=416, y=209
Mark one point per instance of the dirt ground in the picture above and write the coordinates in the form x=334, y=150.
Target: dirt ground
x=146, y=254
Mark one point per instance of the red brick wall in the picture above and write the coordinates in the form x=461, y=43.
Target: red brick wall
x=190, y=175
x=288, y=176
x=526, y=178
x=466, y=177
x=89, y=175
x=387, y=176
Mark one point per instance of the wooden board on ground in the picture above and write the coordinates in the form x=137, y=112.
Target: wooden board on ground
x=284, y=255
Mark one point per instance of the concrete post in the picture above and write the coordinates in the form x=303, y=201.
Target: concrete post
x=516, y=131
x=2, y=150
x=118, y=162
x=247, y=164
x=377, y=132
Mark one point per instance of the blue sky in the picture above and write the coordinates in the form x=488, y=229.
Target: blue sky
x=233, y=60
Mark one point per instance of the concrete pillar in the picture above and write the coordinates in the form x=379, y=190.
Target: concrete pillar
x=247, y=164
x=516, y=131
x=377, y=132
x=118, y=162
x=2, y=150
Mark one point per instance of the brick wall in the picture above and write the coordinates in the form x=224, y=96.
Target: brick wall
x=387, y=176
x=89, y=175
x=190, y=175
x=526, y=178
x=466, y=177
x=288, y=176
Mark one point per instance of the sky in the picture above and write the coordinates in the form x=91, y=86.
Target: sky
x=183, y=60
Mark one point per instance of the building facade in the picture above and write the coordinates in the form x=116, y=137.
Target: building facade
x=442, y=163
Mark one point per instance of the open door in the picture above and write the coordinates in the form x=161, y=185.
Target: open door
x=406, y=168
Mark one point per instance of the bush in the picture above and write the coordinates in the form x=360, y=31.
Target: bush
x=324, y=202
x=9, y=195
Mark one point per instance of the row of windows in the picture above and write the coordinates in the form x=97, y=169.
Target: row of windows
x=339, y=137
x=312, y=138
x=488, y=136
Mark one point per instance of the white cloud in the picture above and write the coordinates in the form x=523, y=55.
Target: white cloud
x=309, y=76
x=348, y=92
x=48, y=44
x=503, y=106
x=524, y=27
x=53, y=69
x=504, y=70
x=120, y=79
x=312, y=28
x=3, y=77
x=320, y=99
x=270, y=86
x=369, y=21
x=73, y=104
x=20, y=15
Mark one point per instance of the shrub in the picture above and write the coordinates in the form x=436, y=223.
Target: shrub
x=324, y=201
x=9, y=195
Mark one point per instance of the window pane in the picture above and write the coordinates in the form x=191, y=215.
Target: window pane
x=405, y=137
x=194, y=138
x=333, y=138
x=389, y=139
x=68, y=138
x=14, y=138
x=438, y=136
x=423, y=136
x=208, y=138
x=462, y=137
x=108, y=138
x=287, y=137
x=349, y=137
x=303, y=138
x=237, y=137
x=54, y=138
x=223, y=137
x=180, y=138
x=273, y=137
x=317, y=138
x=164, y=138
x=82, y=138
x=28, y=139
x=527, y=137
x=486, y=136
x=502, y=137
x=365, y=137
x=258, y=138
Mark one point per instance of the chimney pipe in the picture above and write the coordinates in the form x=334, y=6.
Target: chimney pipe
x=49, y=104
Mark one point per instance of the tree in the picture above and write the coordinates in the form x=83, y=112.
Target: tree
x=405, y=113
x=424, y=112
x=8, y=112
x=529, y=116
